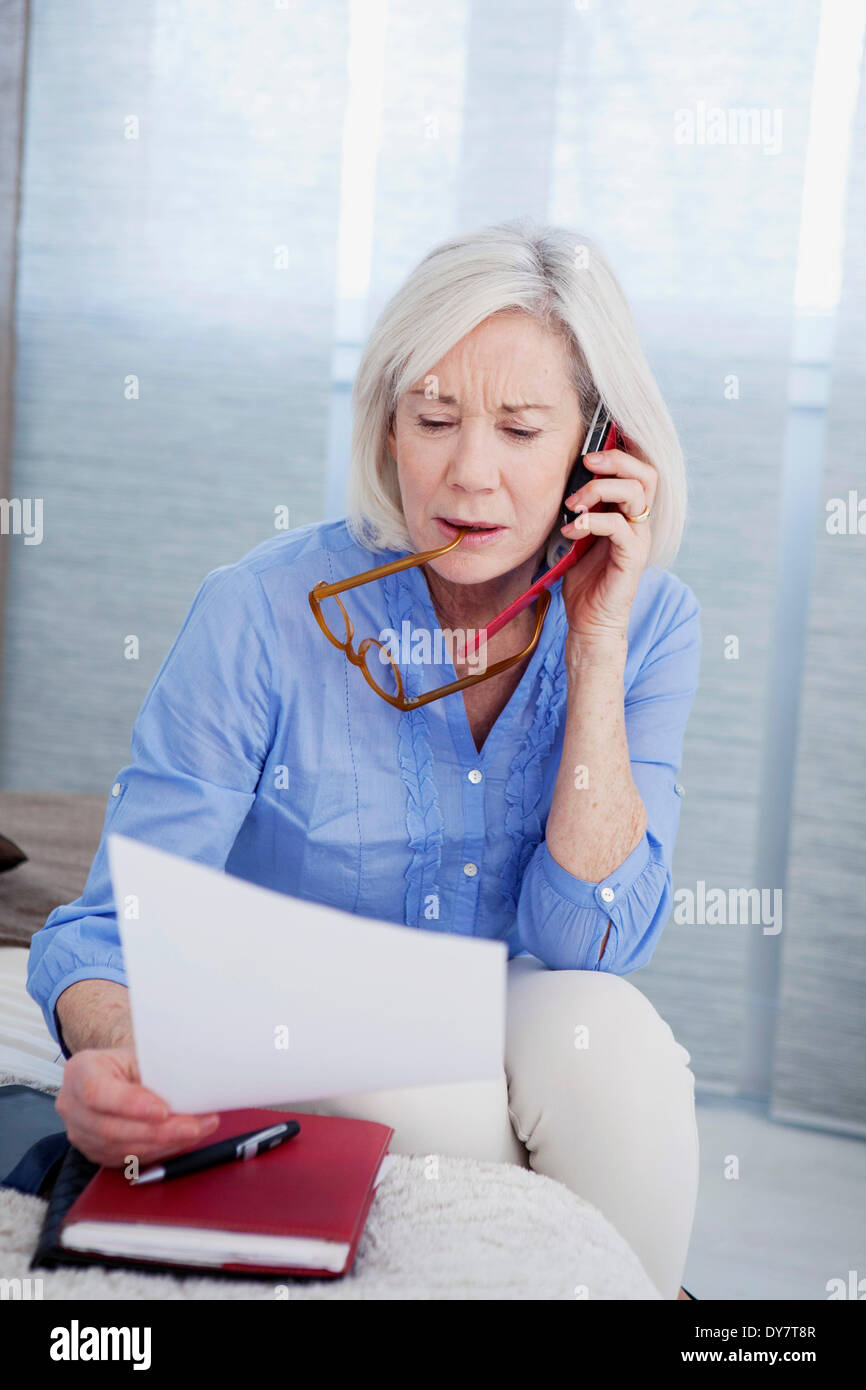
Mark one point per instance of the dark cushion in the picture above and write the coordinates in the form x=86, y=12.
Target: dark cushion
x=10, y=855
x=59, y=834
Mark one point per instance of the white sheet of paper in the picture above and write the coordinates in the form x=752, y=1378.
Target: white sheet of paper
x=241, y=996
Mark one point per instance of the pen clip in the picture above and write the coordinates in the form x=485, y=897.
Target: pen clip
x=250, y=1147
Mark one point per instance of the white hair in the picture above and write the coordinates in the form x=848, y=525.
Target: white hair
x=562, y=280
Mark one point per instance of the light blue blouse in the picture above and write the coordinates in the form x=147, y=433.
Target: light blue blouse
x=261, y=750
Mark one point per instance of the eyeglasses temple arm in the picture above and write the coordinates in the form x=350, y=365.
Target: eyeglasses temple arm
x=326, y=590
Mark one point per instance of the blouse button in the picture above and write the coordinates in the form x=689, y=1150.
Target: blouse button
x=475, y=775
x=607, y=894
x=679, y=789
x=470, y=870
x=116, y=789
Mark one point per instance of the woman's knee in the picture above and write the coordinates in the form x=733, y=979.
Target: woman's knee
x=560, y=1018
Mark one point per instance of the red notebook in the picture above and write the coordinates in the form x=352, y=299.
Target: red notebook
x=298, y=1209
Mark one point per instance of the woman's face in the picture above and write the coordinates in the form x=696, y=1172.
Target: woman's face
x=462, y=455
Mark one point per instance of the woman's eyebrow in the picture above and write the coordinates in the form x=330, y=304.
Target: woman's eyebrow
x=452, y=400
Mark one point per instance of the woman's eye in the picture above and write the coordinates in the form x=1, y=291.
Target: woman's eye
x=434, y=425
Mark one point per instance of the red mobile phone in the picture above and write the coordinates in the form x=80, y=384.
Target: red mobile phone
x=601, y=435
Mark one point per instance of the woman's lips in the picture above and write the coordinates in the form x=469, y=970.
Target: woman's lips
x=472, y=538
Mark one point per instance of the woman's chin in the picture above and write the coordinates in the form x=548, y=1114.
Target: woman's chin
x=476, y=567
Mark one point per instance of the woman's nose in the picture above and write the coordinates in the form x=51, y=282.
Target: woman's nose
x=471, y=457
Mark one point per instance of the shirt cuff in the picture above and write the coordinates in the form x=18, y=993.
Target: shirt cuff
x=608, y=892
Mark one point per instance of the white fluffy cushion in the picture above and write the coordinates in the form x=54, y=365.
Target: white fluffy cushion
x=477, y=1231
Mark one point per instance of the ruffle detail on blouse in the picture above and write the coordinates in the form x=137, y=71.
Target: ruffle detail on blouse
x=424, y=821
x=526, y=774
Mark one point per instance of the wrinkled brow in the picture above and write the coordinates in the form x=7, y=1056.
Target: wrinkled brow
x=452, y=400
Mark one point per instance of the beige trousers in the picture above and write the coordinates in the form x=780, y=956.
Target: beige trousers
x=596, y=1093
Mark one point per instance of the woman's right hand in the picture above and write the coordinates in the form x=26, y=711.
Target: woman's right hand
x=111, y=1117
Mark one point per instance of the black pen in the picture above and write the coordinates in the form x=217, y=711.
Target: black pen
x=244, y=1146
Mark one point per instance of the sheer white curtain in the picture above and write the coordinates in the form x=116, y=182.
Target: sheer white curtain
x=180, y=203
x=292, y=164
x=820, y=1055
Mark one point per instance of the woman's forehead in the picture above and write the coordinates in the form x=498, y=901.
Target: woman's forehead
x=511, y=363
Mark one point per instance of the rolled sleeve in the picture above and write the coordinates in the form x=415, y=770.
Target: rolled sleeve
x=563, y=919
x=198, y=745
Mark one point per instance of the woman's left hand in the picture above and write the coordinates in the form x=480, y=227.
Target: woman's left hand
x=598, y=591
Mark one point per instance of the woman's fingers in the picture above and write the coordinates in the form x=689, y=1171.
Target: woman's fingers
x=99, y=1080
x=109, y=1096
x=627, y=541
x=627, y=493
x=107, y=1139
x=613, y=462
x=110, y=1139
x=108, y=1115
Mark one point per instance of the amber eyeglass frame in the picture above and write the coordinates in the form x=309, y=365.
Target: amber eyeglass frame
x=359, y=658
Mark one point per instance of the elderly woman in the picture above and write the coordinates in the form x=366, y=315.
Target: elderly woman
x=538, y=807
